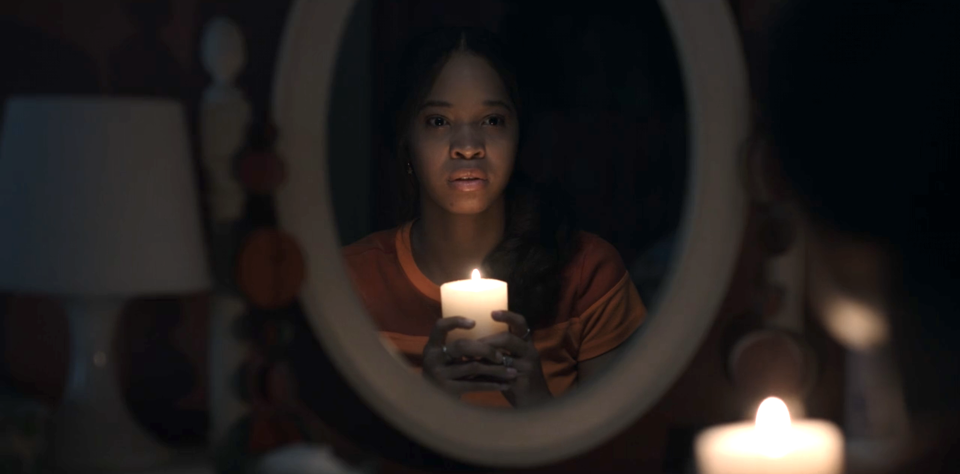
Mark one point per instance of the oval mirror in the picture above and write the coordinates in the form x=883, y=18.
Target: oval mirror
x=649, y=202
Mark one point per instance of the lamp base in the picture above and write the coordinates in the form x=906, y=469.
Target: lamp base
x=93, y=430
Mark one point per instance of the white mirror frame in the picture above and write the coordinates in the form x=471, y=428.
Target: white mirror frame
x=711, y=59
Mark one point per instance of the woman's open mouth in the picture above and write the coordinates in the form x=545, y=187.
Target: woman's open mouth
x=468, y=184
x=468, y=179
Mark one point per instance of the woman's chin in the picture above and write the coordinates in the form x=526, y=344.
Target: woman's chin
x=469, y=207
x=459, y=203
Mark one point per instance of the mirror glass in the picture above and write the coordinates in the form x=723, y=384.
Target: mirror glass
x=551, y=156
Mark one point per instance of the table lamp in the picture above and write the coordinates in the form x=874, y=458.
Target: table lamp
x=98, y=204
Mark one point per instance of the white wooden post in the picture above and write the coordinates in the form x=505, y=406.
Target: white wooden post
x=225, y=117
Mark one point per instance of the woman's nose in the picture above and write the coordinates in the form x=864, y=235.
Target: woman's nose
x=467, y=144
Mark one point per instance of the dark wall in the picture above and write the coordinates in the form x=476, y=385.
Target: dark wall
x=350, y=122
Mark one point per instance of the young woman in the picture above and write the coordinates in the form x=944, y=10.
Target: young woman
x=457, y=123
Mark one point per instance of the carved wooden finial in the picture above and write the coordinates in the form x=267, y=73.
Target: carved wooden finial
x=225, y=116
x=223, y=50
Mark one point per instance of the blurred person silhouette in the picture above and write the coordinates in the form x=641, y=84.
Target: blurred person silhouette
x=861, y=112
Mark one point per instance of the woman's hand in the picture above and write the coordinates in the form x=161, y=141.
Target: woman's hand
x=464, y=365
x=530, y=385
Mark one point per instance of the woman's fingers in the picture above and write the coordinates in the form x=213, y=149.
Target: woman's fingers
x=509, y=342
x=473, y=369
x=446, y=369
x=474, y=349
x=444, y=326
x=516, y=322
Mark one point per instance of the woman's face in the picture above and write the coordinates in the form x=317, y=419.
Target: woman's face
x=463, y=140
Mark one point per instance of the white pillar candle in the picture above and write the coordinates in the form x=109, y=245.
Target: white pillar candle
x=771, y=445
x=475, y=299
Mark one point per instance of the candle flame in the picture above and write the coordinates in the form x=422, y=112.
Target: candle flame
x=475, y=275
x=773, y=427
x=773, y=414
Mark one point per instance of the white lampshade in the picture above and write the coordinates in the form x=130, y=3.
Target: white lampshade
x=98, y=197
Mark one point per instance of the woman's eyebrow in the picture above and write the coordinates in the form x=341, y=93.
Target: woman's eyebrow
x=445, y=104
x=435, y=103
x=498, y=103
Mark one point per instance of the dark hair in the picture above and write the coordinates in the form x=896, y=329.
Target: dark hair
x=862, y=107
x=540, y=237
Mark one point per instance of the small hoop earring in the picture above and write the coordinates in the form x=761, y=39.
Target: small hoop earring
x=409, y=168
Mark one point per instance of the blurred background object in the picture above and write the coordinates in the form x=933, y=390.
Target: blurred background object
x=102, y=194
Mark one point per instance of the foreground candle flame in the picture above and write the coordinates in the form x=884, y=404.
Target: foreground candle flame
x=773, y=415
x=773, y=428
x=475, y=275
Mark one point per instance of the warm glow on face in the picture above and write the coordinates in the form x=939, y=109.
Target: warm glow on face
x=773, y=427
x=475, y=275
x=465, y=121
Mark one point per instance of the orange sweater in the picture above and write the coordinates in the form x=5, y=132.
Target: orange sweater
x=599, y=307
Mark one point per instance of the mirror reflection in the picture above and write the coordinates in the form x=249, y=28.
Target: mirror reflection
x=509, y=228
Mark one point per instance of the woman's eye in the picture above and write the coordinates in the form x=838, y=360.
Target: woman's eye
x=436, y=121
x=495, y=120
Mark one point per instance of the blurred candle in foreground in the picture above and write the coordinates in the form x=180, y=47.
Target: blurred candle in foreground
x=475, y=299
x=771, y=445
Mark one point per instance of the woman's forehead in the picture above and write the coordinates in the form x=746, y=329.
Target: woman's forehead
x=467, y=80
